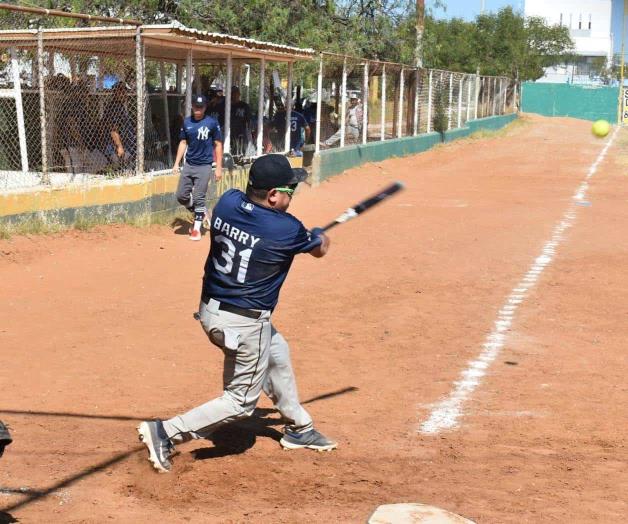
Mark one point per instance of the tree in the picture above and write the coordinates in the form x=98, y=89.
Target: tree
x=504, y=43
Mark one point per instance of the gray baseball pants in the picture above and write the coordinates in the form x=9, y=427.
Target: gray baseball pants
x=257, y=358
x=192, y=188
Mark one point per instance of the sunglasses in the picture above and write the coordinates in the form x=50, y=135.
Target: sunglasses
x=287, y=190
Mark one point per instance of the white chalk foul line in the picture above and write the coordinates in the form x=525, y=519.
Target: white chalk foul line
x=447, y=412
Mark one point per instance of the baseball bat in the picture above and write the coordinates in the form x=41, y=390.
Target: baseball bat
x=365, y=204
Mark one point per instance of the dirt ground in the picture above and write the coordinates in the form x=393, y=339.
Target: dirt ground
x=96, y=333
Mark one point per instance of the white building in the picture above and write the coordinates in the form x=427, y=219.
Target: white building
x=589, y=23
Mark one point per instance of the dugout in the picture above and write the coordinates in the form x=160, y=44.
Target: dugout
x=62, y=90
x=65, y=84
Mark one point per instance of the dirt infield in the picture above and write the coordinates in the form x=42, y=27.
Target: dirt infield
x=96, y=332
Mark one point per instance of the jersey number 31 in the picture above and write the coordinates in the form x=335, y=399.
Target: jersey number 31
x=228, y=254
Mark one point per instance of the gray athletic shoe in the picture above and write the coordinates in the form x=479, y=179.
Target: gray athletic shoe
x=310, y=439
x=160, y=449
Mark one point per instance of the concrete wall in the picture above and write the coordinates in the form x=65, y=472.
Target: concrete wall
x=585, y=102
x=331, y=162
x=108, y=201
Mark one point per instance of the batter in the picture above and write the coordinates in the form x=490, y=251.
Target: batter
x=253, y=243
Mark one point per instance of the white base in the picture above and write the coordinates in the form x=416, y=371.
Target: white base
x=415, y=514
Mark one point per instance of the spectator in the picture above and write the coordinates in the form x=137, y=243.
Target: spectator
x=240, y=118
x=353, y=122
x=216, y=106
x=121, y=139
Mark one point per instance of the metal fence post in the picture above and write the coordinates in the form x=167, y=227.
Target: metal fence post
x=42, y=106
x=19, y=109
x=365, y=103
x=494, y=96
x=477, y=96
x=451, y=99
x=188, y=84
x=141, y=113
x=382, y=131
x=319, y=103
x=415, y=115
x=260, y=109
x=400, y=109
x=460, y=91
x=429, y=102
x=504, y=94
x=343, y=106
x=468, y=99
x=229, y=81
x=288, y=107
x=164, y=97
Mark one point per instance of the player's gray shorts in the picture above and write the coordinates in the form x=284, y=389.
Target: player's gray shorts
x=194, y=181
x=257, y=358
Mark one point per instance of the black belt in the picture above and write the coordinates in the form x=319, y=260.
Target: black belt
x=249, y=313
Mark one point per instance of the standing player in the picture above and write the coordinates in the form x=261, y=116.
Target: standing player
x=200, y=137
x=299, y=130
x=253, y=243
x=240, y=120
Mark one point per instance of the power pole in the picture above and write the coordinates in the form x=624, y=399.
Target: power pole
x=420, y=26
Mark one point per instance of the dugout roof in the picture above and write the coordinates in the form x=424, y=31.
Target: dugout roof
x=168, y=42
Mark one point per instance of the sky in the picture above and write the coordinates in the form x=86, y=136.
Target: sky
x=468, y=9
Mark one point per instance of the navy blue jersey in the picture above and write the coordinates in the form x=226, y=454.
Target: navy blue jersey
x=216, y=110
x=240, y=118
x=200, y=136
x=297, y=125
x=252, y=248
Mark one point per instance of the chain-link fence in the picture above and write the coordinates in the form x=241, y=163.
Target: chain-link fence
x=383, y=101
x=90, y=102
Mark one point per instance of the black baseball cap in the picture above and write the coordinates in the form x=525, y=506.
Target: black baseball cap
x=199, y=101
x=271, y=171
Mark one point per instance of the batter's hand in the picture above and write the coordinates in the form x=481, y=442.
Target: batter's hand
x=317, y=231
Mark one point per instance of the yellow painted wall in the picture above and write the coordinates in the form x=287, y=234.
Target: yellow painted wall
x=118, y=191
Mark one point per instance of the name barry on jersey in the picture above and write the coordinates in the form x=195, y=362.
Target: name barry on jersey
x=234, y=233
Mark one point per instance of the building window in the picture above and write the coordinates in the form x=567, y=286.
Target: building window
x=580, y=21
x=570, y=20
x=560, y=22
x=589, y=22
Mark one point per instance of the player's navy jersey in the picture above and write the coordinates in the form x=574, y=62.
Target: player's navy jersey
x=297, y=125
x=252, y=248
x=240, y=118
x=200, y=136
x=217, y=111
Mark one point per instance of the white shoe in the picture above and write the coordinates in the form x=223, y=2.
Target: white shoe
x=160, y=449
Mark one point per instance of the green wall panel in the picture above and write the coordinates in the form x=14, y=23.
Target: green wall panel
x=331, y=162
x=585, y=102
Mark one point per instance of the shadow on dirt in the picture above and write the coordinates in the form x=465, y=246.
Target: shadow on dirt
x=240, y=436
x=6, y=518
x=181, y=226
